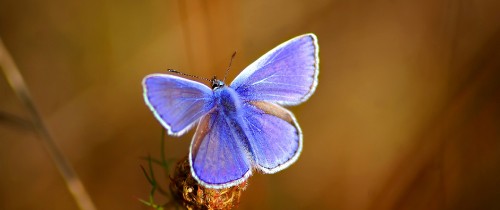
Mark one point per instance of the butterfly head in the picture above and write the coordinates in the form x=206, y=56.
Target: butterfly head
x=216, y=83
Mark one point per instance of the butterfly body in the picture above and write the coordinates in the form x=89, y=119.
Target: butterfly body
x=227, y=100
x=241, y=126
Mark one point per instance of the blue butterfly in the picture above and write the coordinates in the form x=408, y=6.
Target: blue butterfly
x=242, y=126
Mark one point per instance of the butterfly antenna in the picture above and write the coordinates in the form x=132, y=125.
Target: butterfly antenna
x=230, y=62
x=187, y=75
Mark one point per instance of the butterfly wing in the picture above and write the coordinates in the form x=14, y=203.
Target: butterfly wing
x=275, y=138
x=286, y=75
x=176, y=102
x=217, y=156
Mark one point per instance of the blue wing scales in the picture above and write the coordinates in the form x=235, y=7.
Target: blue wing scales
x=286, y=75
x=176, y=102
x=218, y=156
x=274, y=136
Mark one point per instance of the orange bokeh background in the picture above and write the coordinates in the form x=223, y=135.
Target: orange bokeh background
x=406, y=114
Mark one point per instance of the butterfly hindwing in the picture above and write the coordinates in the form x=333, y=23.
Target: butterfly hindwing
x=286, y=75
x=217, y=156
x=177, y=102
x=274, y=136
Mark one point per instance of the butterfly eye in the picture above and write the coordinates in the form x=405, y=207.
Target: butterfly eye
x=216, y=83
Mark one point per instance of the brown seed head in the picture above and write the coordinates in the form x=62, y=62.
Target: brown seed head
x=192, y=195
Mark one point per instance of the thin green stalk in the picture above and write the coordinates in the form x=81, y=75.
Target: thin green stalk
x=16, y=81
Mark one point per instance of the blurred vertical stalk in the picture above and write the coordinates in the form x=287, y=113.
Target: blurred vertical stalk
x=185, y=31
x=16, y=81
x=195, y=25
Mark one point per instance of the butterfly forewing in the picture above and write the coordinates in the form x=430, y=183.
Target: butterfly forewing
x=177, y=102
x=286, y=75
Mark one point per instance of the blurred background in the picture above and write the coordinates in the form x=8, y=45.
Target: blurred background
x=406, y=114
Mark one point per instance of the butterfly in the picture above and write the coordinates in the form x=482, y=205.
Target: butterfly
x=241, y=126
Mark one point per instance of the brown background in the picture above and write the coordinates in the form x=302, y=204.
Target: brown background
x=406, y=114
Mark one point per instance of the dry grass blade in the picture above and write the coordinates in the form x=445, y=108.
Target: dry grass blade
x=16, y=81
